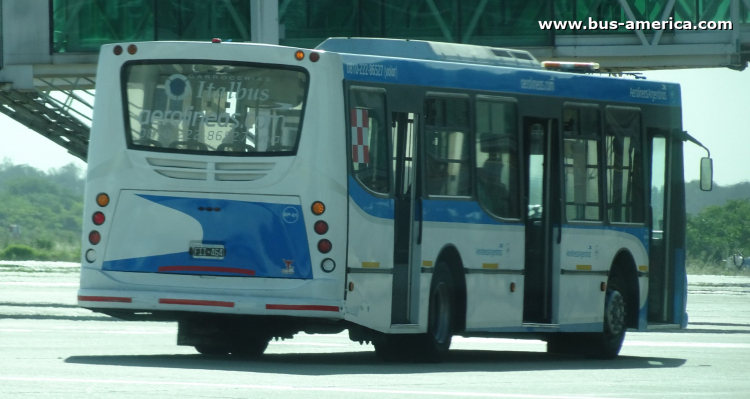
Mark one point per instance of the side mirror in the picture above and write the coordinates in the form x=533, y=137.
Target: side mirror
x=707, y=174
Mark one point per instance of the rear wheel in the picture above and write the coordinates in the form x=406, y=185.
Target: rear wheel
x=441, y=319
x=252, y=347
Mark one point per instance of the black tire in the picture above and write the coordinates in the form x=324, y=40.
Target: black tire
x=212, y=349
x=607, y=344
x=441, y=321
x=250, y=348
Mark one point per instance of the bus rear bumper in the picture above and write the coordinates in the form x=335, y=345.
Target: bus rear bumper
x=141, y=305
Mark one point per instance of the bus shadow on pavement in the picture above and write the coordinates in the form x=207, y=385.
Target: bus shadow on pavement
x=366, y=363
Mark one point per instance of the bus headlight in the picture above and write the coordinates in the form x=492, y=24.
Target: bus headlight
x=328, y=265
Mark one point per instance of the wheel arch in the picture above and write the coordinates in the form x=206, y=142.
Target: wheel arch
x=450, y=256
x=624, y=265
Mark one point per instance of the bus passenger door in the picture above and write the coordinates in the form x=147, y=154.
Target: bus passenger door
x=540, y=190
x=407, y=216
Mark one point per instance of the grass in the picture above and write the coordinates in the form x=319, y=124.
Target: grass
x=703, y=267
x=23, y=252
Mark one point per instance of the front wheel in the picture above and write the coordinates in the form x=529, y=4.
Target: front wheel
x=607, y=344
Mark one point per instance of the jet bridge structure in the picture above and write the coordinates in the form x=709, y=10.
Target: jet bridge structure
x=49, y=48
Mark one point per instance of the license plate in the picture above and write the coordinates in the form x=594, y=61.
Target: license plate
x=207, y=251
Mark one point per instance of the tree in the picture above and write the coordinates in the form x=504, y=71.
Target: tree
x=720, y=230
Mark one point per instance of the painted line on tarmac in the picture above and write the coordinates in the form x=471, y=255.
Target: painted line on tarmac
x=627, y=343
x=299, y=389
x=33, y=284
x=688, y=344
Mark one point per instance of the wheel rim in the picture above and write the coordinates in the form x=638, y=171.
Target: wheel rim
x=614, y=315
x=441, y=319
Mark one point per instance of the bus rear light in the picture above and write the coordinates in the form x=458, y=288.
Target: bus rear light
x=98, y=218
x=102, y=200
x=216, y=40
x=314, y=57
x=117, y=50
x=324, y=246
x=95, y=237
x=299, y=55
x=91, y=256
x=328, y=265
x=321, y=227
x=132, y=49
x=318, y=208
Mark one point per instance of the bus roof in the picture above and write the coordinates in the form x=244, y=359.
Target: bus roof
x=450, y=65
x=433, y=51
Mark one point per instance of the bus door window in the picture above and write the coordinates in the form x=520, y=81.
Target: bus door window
x=404, y=124
x=369, y=140
x=625, y=185
x=447, y=147
x=581, y=162
x=536, y=171
x=497, y=156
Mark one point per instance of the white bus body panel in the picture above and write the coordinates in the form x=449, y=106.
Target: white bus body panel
x=315, y=173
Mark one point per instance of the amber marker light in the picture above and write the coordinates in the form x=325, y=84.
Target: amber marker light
x=299, y=55
x=318, y=208
x=132, y=49
x=102, y=199
x=117, y=50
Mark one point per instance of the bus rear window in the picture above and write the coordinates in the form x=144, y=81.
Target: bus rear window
x=217, y=109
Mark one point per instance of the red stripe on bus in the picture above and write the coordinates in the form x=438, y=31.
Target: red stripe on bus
x=215, y=269
x=196, y=302
x=320, y=308
x=104, y=299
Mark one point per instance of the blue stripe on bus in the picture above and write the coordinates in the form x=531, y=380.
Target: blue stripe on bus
x=374, y=206
x=508, y=80
x=639, y=232
x=468, y=212
x=458, y=212
x=258, y=238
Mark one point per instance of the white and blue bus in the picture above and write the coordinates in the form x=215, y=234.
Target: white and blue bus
x=405, y=191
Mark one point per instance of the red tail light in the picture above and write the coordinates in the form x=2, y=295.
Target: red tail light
x=95, y=237
x=98, y=218
x=324, y=246
x=321, y=227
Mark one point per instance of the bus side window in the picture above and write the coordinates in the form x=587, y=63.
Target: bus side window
x=625, y=178
x=581, y=156
x=497, y=156
x=369, y=140
x=447, y=147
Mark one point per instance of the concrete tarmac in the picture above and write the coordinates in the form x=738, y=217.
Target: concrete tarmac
x=49, y=348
